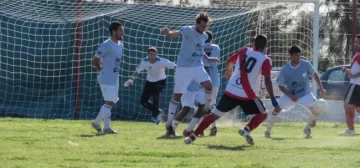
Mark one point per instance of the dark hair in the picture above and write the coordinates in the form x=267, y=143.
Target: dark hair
x=114, y=26
x=294, y=49
x=202, y=16
x=210, y=36
x=260, y=42
x=152, y=48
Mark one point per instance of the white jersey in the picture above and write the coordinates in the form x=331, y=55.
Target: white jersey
x=242, y=83
x=156, y=70
x=191, y=52
x=355, y=68
x=212, y=50
x=110, y=54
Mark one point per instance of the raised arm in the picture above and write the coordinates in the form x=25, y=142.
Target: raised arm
x=170, y=34
x=135, y=74
x=168, y=64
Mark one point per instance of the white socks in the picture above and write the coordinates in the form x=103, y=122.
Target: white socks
x=105, y=113
x=107, y=116
x=192, y=124
x=171, y=111
x=208, y=99
x=271, y=120
x=214, y=94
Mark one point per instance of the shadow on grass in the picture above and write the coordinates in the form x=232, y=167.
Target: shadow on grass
x=90, y=135
x=280, y=139
x=230, y=148
x=169, y=137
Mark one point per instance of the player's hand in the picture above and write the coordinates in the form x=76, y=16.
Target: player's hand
x=227, y=74
x=128, y=83
x=165, y=31
x=322, y=93
x=277, y=108
x=293, y=98
x=343, y=69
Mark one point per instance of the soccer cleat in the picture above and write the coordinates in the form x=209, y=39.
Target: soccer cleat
x=247, y=136
x=213, y=131
x=190, y=139
x=97, y=127
x=187, y=133
x=348, y=132
x=267, y=134
x=307, y=132
x=170, y=131
x=109, y=131
x=155, y=120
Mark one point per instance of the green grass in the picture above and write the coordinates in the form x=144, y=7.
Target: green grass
x=63, y=143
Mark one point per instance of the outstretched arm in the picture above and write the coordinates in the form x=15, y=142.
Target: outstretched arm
x=96, y=63
x=170, y=34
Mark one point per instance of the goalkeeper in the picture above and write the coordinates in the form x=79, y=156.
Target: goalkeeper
x=155, y=81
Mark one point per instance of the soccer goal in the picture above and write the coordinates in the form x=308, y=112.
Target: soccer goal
x=47, y=47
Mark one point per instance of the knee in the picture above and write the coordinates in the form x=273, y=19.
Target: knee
x=176, y=97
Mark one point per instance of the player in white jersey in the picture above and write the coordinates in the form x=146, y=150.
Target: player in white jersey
x=193, y=95
x=155, y=81
x=107, y=61
x=249, y=64
x=294, y=83
x=190, y=64
x=212, y=50
x=352, y=96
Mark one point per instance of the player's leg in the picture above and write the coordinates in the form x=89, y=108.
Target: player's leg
x=215, y=91
x=147, y=92
x=203, y=78
x=182, y=81
x=308, y=101
x=351, y=100
x=194, y=120
x=187, y=101
x=159, y=86
x=110, y=94
x=284, y=103
x=225, y=104
x=252, y=107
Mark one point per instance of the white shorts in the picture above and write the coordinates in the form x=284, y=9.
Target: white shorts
x=184, y=76
x=190, y=98
x=286, y=103
x=110, y=93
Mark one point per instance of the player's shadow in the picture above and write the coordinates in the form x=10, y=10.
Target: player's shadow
x=90, y=135
x=230, y=148
x=169, y=137
x=280, y=139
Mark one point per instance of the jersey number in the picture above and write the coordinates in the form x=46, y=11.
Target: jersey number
x=250, y=64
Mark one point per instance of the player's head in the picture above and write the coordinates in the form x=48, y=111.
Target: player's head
x=357, y=43
x=201, y=22
x=152, y=53
x=295, y=54
x=210, y=36
x=260, y=42
x=116, y=30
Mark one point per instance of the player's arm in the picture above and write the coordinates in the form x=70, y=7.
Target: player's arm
x=135, y=74
x=168, y=64
x=211, y=59
x=171, y=34
x=229, y=65
x=266, y=72
x=316, y=78
x=100, y=53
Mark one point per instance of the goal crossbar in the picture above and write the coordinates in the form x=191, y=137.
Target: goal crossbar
x=290, y=1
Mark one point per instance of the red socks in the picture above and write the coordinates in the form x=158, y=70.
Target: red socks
x=256, y=121
x=205, y=123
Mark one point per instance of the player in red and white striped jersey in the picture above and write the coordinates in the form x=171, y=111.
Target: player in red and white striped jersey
x=352, y=97
x=249, y=64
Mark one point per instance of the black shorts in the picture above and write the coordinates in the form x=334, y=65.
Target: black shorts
x=154, y=87
x=249, y=107
x=352, y=95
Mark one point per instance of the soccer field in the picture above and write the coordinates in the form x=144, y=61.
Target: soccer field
x=65, y=143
